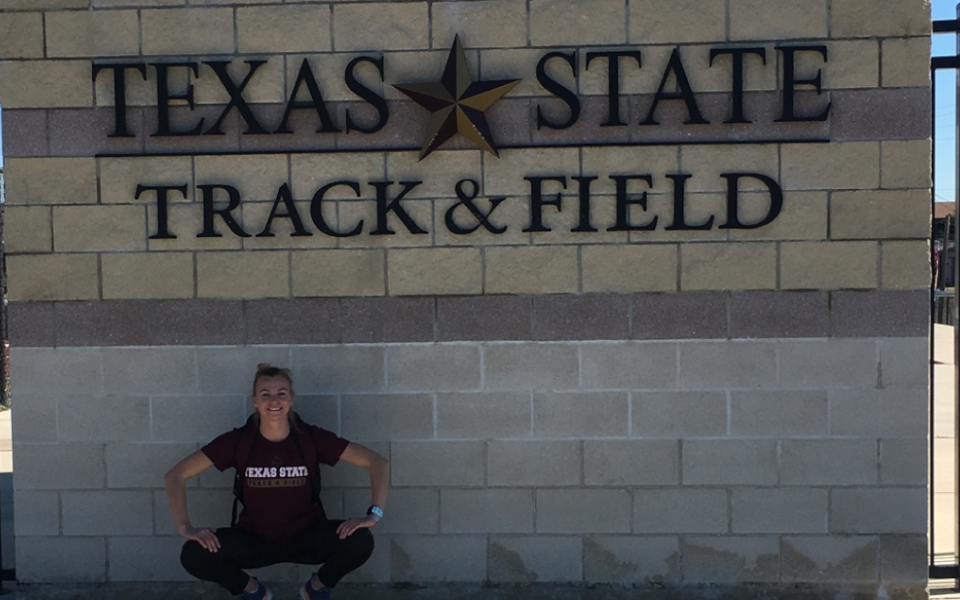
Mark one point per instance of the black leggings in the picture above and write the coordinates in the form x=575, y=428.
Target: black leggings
x=241, y=549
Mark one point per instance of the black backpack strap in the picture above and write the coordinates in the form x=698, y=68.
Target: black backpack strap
x=312, y=461
x=246, y=439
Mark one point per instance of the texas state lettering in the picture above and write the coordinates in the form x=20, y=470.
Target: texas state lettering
x=274, y=477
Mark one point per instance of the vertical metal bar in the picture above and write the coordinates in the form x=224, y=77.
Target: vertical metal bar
x=956, y=327
x=933, y=287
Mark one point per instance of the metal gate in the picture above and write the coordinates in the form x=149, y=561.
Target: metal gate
x=944, y=508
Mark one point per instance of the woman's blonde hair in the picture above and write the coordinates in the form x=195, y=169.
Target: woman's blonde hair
x=268, y=370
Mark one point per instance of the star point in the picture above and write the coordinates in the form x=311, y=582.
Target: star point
x=457, y=103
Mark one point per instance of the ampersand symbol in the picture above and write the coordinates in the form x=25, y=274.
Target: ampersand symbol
x=466, y=199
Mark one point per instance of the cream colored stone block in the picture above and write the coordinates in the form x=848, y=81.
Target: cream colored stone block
x=99, y=228
x=352, y=213
x=140, y=92
x=837, y=165
x=644, y=268
x=52, y=277
x=310, y=172
x=119, y=178
x=338, y=273
x=850, y=64
x=50, y=181
x=879, y=18
x=673, y=21
x=256, y=176
x=698, y=210
x=758, y=75
x=329, y=70
x=147, y=275
x=256, y=214
x=482, y=24
x=21, y=35
x=397, y=26
x=906, y=62
x=521, y=63
x=603, y=215
x=187, y=31
x=880, y=215
x=92, y=33
x=267, y=30
x=512, y=214
x=762, y=19
x=440, y=175
x=505, y=176
x=46, y=84
x=42, y=4
x=803, y=217
x=642, y=160
x=243, y=274
x=728, y=267
x=27, y=229
x=703, y=77
x=588, y=22
x=905, y=265
x=828, y=265
x=525, y=270
x=905, y=164
x=265, y=87
x=434, y=272
x=707, y=164
x=185, y=221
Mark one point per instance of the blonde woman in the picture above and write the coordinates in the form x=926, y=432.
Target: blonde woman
x=276, y=457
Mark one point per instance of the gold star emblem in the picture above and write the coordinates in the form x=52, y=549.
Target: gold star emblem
x=457, y=103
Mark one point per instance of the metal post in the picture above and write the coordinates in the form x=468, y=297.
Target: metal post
x=932, y=555
x=956, y=337
x=3, y=362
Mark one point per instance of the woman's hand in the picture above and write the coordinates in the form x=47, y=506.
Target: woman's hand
x=205, y=537
x=350, y=525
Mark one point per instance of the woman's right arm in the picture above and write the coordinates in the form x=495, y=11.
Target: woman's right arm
x=176, y=483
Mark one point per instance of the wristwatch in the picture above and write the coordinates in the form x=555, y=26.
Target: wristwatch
x=375, y=511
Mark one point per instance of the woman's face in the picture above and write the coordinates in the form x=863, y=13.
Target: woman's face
x=273, y=398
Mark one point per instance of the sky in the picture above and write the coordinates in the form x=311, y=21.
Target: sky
x=944, y=44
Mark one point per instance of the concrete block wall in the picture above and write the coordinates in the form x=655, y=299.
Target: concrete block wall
x=716, y=406
x=542, y=481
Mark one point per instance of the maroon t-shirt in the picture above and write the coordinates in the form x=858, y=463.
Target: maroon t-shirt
x=277, y=498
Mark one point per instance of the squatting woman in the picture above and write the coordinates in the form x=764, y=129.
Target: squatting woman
x=276, y=457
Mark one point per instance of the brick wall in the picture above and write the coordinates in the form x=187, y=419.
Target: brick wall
x=729, y=406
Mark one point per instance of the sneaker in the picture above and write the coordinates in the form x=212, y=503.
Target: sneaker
x=308, y=593
x=261, y=593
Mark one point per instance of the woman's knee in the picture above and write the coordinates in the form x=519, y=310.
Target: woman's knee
x=192, y=554
x=362, y=543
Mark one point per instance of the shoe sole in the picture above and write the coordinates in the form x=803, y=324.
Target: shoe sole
x=303, y=593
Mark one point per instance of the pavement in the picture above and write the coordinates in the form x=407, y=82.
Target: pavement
x=943, y=530
x=6, y=492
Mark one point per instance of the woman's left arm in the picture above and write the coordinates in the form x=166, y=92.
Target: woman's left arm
x=379, y=468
